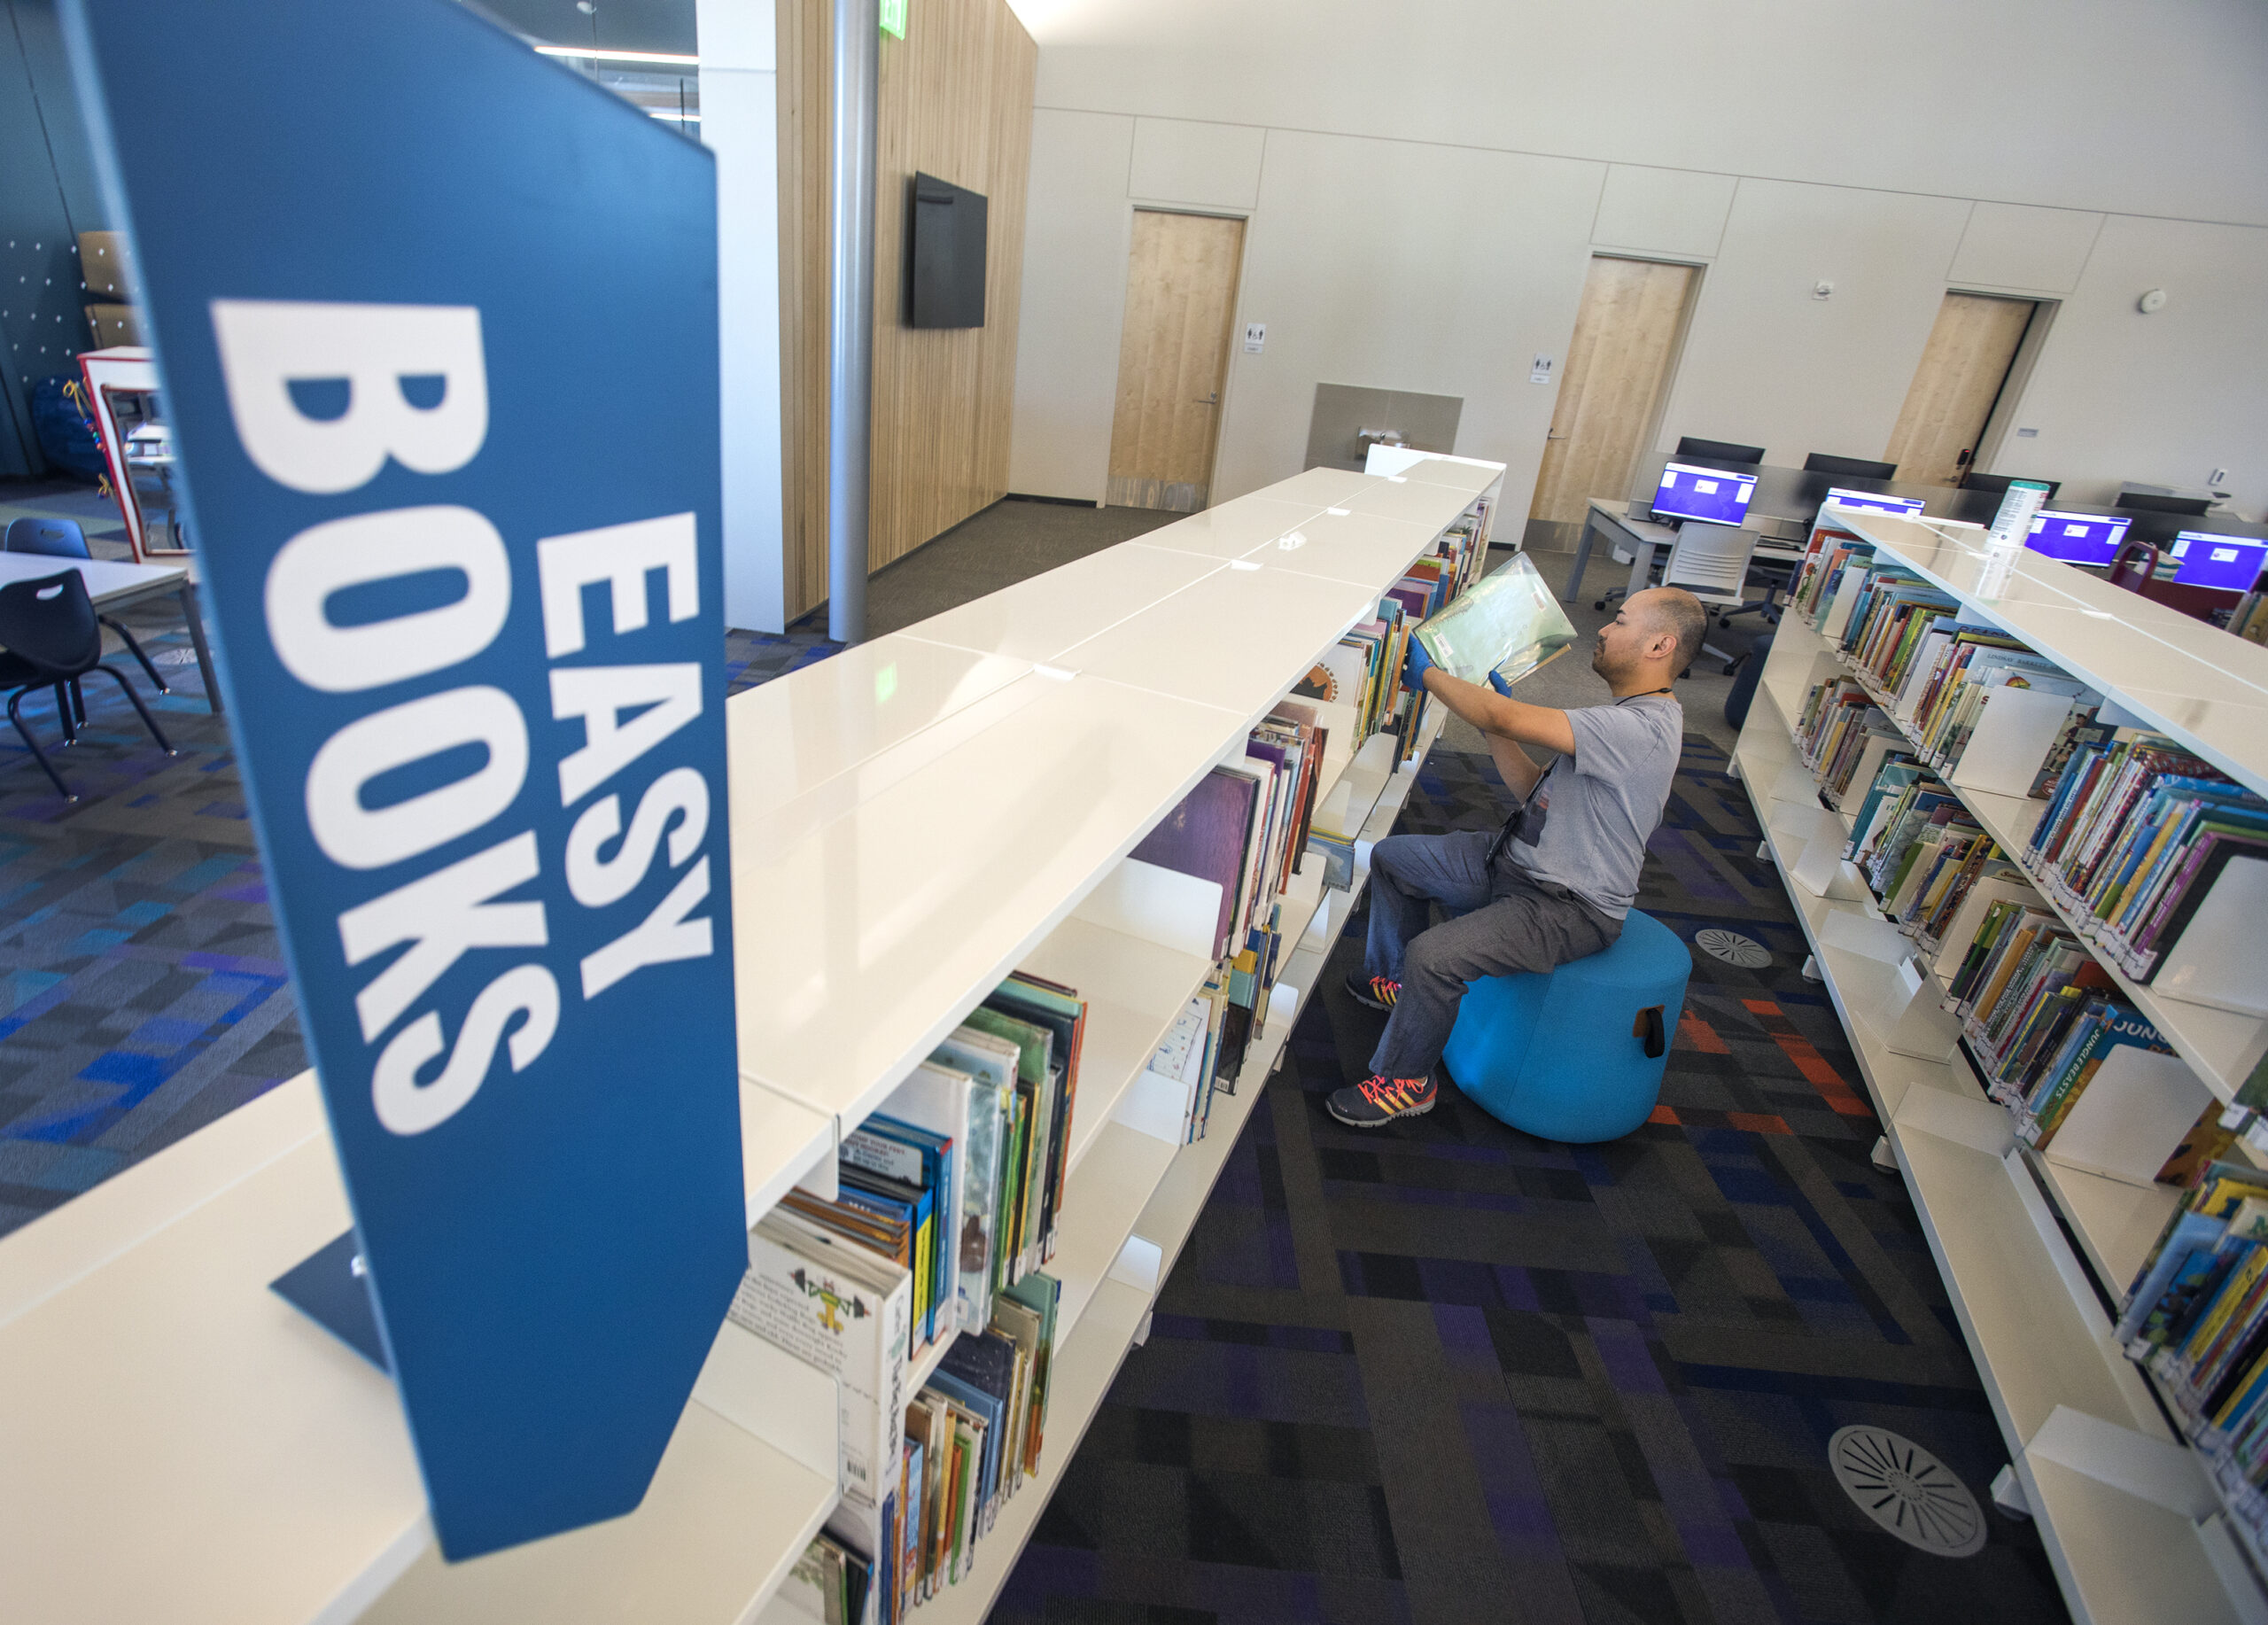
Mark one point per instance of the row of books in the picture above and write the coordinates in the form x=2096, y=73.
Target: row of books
x=1844, y=737
x=2196, y=1317
x=1245, y=827
x=1917, y=843
x=1821, y=577
x=948, y=1204
x=968, y=1441
x=2136, y=833
x=1907, y=640
x=971, y=1438
x=2038, y=1011
x=1250, y=825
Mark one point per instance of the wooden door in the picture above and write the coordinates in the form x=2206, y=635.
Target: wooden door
x=1618, y=366
x=1954, y=389
x=1173, y=359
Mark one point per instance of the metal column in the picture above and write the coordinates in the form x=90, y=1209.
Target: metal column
x=850, y=305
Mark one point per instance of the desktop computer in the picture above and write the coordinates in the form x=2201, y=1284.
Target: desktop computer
x=2230, y=562
x=1714, y=495
x=1874, y=501
x=2077, y=538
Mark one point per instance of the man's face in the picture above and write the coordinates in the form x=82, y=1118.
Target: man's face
x=1619, y=649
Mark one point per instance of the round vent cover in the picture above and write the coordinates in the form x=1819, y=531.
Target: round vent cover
x=1907, y=1490
x=1732, y=948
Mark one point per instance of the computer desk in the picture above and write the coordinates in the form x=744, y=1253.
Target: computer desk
x=1608, y=517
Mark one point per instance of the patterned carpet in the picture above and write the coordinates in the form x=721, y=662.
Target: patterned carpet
x=142, y=991
x=1446, y=1372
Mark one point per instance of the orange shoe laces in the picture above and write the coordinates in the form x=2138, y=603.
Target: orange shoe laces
x=1393, y=1094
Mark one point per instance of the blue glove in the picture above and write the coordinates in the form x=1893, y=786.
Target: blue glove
x=1415, y=666
x=1496, y=681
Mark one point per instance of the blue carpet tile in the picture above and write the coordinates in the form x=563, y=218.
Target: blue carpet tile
x=1445, y=1371
x=142, y=991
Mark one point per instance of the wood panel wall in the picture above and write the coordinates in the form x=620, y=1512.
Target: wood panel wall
x=956, y=99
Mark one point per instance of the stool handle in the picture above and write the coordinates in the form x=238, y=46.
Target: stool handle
x=1649, y=1027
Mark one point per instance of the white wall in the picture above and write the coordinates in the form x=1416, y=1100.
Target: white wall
x=738, y=123
x=1424, y=187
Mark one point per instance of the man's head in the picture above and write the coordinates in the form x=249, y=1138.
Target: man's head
x=1653, y=639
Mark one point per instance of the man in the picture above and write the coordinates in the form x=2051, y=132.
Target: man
x=1556, y=882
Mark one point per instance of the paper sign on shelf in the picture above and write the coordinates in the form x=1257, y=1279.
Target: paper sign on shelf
x=435, y=320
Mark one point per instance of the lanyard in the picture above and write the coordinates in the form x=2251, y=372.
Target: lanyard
x=1513, y=824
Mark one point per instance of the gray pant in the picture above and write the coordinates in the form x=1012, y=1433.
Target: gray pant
x=1502, y=922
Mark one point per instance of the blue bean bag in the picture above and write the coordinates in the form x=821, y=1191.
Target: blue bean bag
x=1576, y=1053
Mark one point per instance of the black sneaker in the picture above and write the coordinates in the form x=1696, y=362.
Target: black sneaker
x=1376, y=1101
x=1376, y=991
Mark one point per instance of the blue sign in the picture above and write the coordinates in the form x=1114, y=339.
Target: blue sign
x=437, y=325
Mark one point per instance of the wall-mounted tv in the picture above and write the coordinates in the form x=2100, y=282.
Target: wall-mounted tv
x=944, y=282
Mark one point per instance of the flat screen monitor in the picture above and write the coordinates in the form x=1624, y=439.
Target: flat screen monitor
x=1874, y=501
x=1686, y=492
x=2077, y=538
x=2233, y=562
x=945, y=272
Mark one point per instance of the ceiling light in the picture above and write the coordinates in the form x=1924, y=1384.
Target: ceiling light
x=664, y=57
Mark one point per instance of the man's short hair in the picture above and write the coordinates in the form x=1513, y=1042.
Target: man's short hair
x=1674, y=610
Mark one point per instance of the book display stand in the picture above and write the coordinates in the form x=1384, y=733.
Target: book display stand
x=913, y=819
x=2035, y=1249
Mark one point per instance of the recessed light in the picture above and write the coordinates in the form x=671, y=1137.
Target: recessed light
x=1339, y=513
x=664, y=57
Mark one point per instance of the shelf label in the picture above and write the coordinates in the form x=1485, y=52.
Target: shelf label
x=438, y=321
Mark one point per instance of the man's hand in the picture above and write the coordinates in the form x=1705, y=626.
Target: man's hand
x=1415, y=666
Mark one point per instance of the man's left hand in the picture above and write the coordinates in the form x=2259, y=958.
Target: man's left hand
x=1415, y=666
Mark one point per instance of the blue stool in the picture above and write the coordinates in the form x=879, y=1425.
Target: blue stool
x=1575, y=1055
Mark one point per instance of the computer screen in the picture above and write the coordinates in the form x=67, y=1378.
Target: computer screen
x=2231, y=562
x=2077, y=538
x=1712, y=494
x=1873, y=501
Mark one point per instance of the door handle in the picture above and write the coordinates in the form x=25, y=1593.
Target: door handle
x=1554, y=437
x=1212, y=400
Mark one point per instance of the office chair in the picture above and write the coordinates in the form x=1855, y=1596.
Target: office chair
x=63, y=539
x=1972, y=480
x=1724, y=451
x=1853, y=468
x=52, y=639
x=1711, y=563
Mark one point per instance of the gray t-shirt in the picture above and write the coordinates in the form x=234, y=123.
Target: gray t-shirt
x=1586, y=825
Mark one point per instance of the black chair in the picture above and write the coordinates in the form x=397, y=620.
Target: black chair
x=1850, y=468
x=1972, y=480
x=52, y=639
x=2146, y=501
x=1724, y=451
x=63, y=539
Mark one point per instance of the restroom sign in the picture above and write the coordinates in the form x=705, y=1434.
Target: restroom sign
x=436, y=324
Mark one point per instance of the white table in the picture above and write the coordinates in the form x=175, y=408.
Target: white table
x=1642, y=537
x=114, y=585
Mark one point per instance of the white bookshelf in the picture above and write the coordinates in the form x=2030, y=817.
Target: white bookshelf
x=2221, y=1046
x=911, y=820
x=1116, y=1308
x=1990, y=1210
